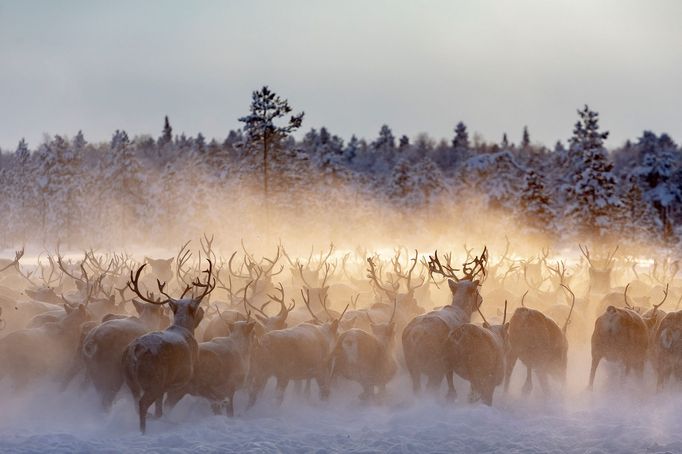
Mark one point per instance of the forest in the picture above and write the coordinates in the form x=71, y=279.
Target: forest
x=67, y=190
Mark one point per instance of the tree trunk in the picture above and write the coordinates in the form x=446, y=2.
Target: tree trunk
x=265, y=186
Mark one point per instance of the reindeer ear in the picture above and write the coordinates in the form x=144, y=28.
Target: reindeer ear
x=139, y=307
x=477, y=283
x=453, y=286
x=173, y=305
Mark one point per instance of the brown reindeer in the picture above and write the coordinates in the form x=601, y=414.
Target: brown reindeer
x=367, y=358
x=163, y=361
x=32, y=353
x=539, y=343
x=297, y=353
x=424, y=337
x=102, y=348
x=600, y=270
x=477, y=354
x=621, y=335
x=220, y=369
x=667, y=349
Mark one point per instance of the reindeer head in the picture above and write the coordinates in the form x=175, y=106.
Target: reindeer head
x=187, y=312
x=152, y=315
x=405, y=300
x=600, y=270
x=161, y=267
x=465, y=290
x=384, y=331
x=270, y=322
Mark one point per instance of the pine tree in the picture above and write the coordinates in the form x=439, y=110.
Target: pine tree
x=79, y=141
x=639, y=220
x=593, y=199
x=166, y=134
x=525, y=139
x=535, y=203
x=461, y=140
x=403, y=143
x=659, y=160
x=504, y=145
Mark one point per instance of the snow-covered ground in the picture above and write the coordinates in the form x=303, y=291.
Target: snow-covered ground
x=615, y=418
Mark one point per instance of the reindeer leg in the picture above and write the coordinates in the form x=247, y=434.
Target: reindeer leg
x=143, y=405
x=508, y=370
x=281, y=388
x=596, y=357
x=434, y=381
x=528, y=385
x=229, y=405
x=323, y=383
x=158, y=410
x=544, y=383
x=452, y=392
x=416, y=377
x=257, y=385
x=306, y=391
x=639, y=369
x=487, y=391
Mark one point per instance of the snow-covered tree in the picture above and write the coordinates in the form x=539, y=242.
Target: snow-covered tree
x=525, y=139
x=262, y=133
x=461, y=140
x=166, y=134
x=535, y=203
x=593, y=201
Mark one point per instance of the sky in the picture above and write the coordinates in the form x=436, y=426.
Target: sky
x=351, y=65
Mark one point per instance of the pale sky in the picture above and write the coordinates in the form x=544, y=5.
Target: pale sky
x=351, y=65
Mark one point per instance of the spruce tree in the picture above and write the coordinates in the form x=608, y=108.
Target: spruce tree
x=593, y=202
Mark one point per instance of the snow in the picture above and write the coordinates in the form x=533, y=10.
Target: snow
x=615, y=418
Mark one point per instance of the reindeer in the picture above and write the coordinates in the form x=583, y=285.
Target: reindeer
x=424, y=337
x=221, y=369
x=667, y=349
x=317, y=295
x=621, y=335
x=261, y=273
x=477, y=354
x=102, y=348
x=297, y=353
x=406, y=302
x=163, y=361
x=272, y=322
x=367, y=358
x=539, y=343
x=219, y=326
x=600, y=270
x=161, y=268
x=31, y=353
x=308, y=274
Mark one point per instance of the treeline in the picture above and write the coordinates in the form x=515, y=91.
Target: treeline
x=73, y=191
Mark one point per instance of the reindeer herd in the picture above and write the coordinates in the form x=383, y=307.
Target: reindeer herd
x=204, y=326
